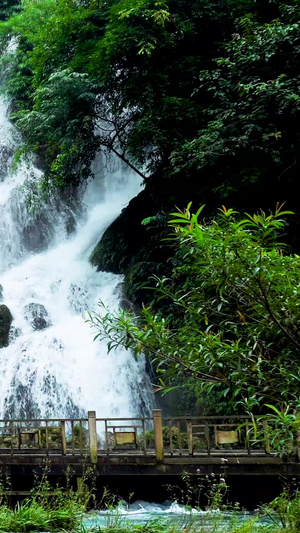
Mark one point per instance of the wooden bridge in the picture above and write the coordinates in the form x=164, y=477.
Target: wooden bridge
x=142, y=446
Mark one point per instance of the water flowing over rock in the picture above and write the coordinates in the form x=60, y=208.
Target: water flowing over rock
x=5, y=156
x=5, y=322
x=37, y=316
x=51, y=366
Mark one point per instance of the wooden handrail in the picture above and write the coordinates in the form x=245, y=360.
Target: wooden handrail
x=26, y=420
x=114, y=419
x=175, y=435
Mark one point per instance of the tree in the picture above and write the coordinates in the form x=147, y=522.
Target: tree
x=235, y=311
x=248, y=148
x=141, y=59
x=8, y=7
x=198, y=91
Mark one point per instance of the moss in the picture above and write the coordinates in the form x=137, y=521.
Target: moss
x=138, y=280
x=5, y=322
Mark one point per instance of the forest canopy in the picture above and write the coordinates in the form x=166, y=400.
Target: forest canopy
x=205, y=91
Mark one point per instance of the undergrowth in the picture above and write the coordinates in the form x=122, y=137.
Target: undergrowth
x=46, y=509
x=212, y=525
x=62, y=510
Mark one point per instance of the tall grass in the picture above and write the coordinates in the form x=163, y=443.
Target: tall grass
x=215, y=525
x=61, y=510
x=46, y=509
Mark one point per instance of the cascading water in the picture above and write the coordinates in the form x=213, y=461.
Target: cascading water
x=52, y=366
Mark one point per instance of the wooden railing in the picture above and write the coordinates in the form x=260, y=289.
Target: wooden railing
x=211, y=435
x=45, y=435
x=157, y=436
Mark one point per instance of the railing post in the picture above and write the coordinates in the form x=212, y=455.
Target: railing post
x=158, y=436
x=93, y=437
x=63, y=437
x=11, y=428
x=266, y=436
x=189, y=431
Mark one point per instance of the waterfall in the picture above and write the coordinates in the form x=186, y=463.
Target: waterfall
x=52, y=366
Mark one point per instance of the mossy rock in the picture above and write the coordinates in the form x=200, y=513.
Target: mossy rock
x=124, y=238
x=5, y=322
x=80, y=436
x=127, y=241
x=138, y=280
x=54, y=437
x=135, y=249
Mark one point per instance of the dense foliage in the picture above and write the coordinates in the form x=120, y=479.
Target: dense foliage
x=8, y=8
x=195, y=90
x=234, y=295
x=201, y=98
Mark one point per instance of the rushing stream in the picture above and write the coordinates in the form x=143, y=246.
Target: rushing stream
x=170, y=514
x=52, y=366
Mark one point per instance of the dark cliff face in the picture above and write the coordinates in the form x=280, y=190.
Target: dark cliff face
x=136, y=250
x=140, y=251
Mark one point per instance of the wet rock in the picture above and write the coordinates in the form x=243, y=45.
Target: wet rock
x=20, y=403
x=5, y=155
x=78, y=298
x=126, y=239
x=37, y=226
x=37, y=316
x=1, y=292
x=135, y=249
x=14, y=333
x=5, y=322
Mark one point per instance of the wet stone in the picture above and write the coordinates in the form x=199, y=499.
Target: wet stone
x=14, y=333
x=37, y=316
x=5, y=155
x=78, y=298
x=5, y=322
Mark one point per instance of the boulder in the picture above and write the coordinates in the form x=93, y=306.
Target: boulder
x=37, y=316
x=5, y=322
x=126, y=240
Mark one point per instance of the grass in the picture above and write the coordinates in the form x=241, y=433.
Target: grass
x=62, y=510
x=46, y=509
x=33, y=515
x=214, y=526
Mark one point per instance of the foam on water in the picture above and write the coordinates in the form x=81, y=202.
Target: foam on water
x=60, y=370
x=168, y=514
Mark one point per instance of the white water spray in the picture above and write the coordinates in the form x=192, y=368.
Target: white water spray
x=52, y=366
